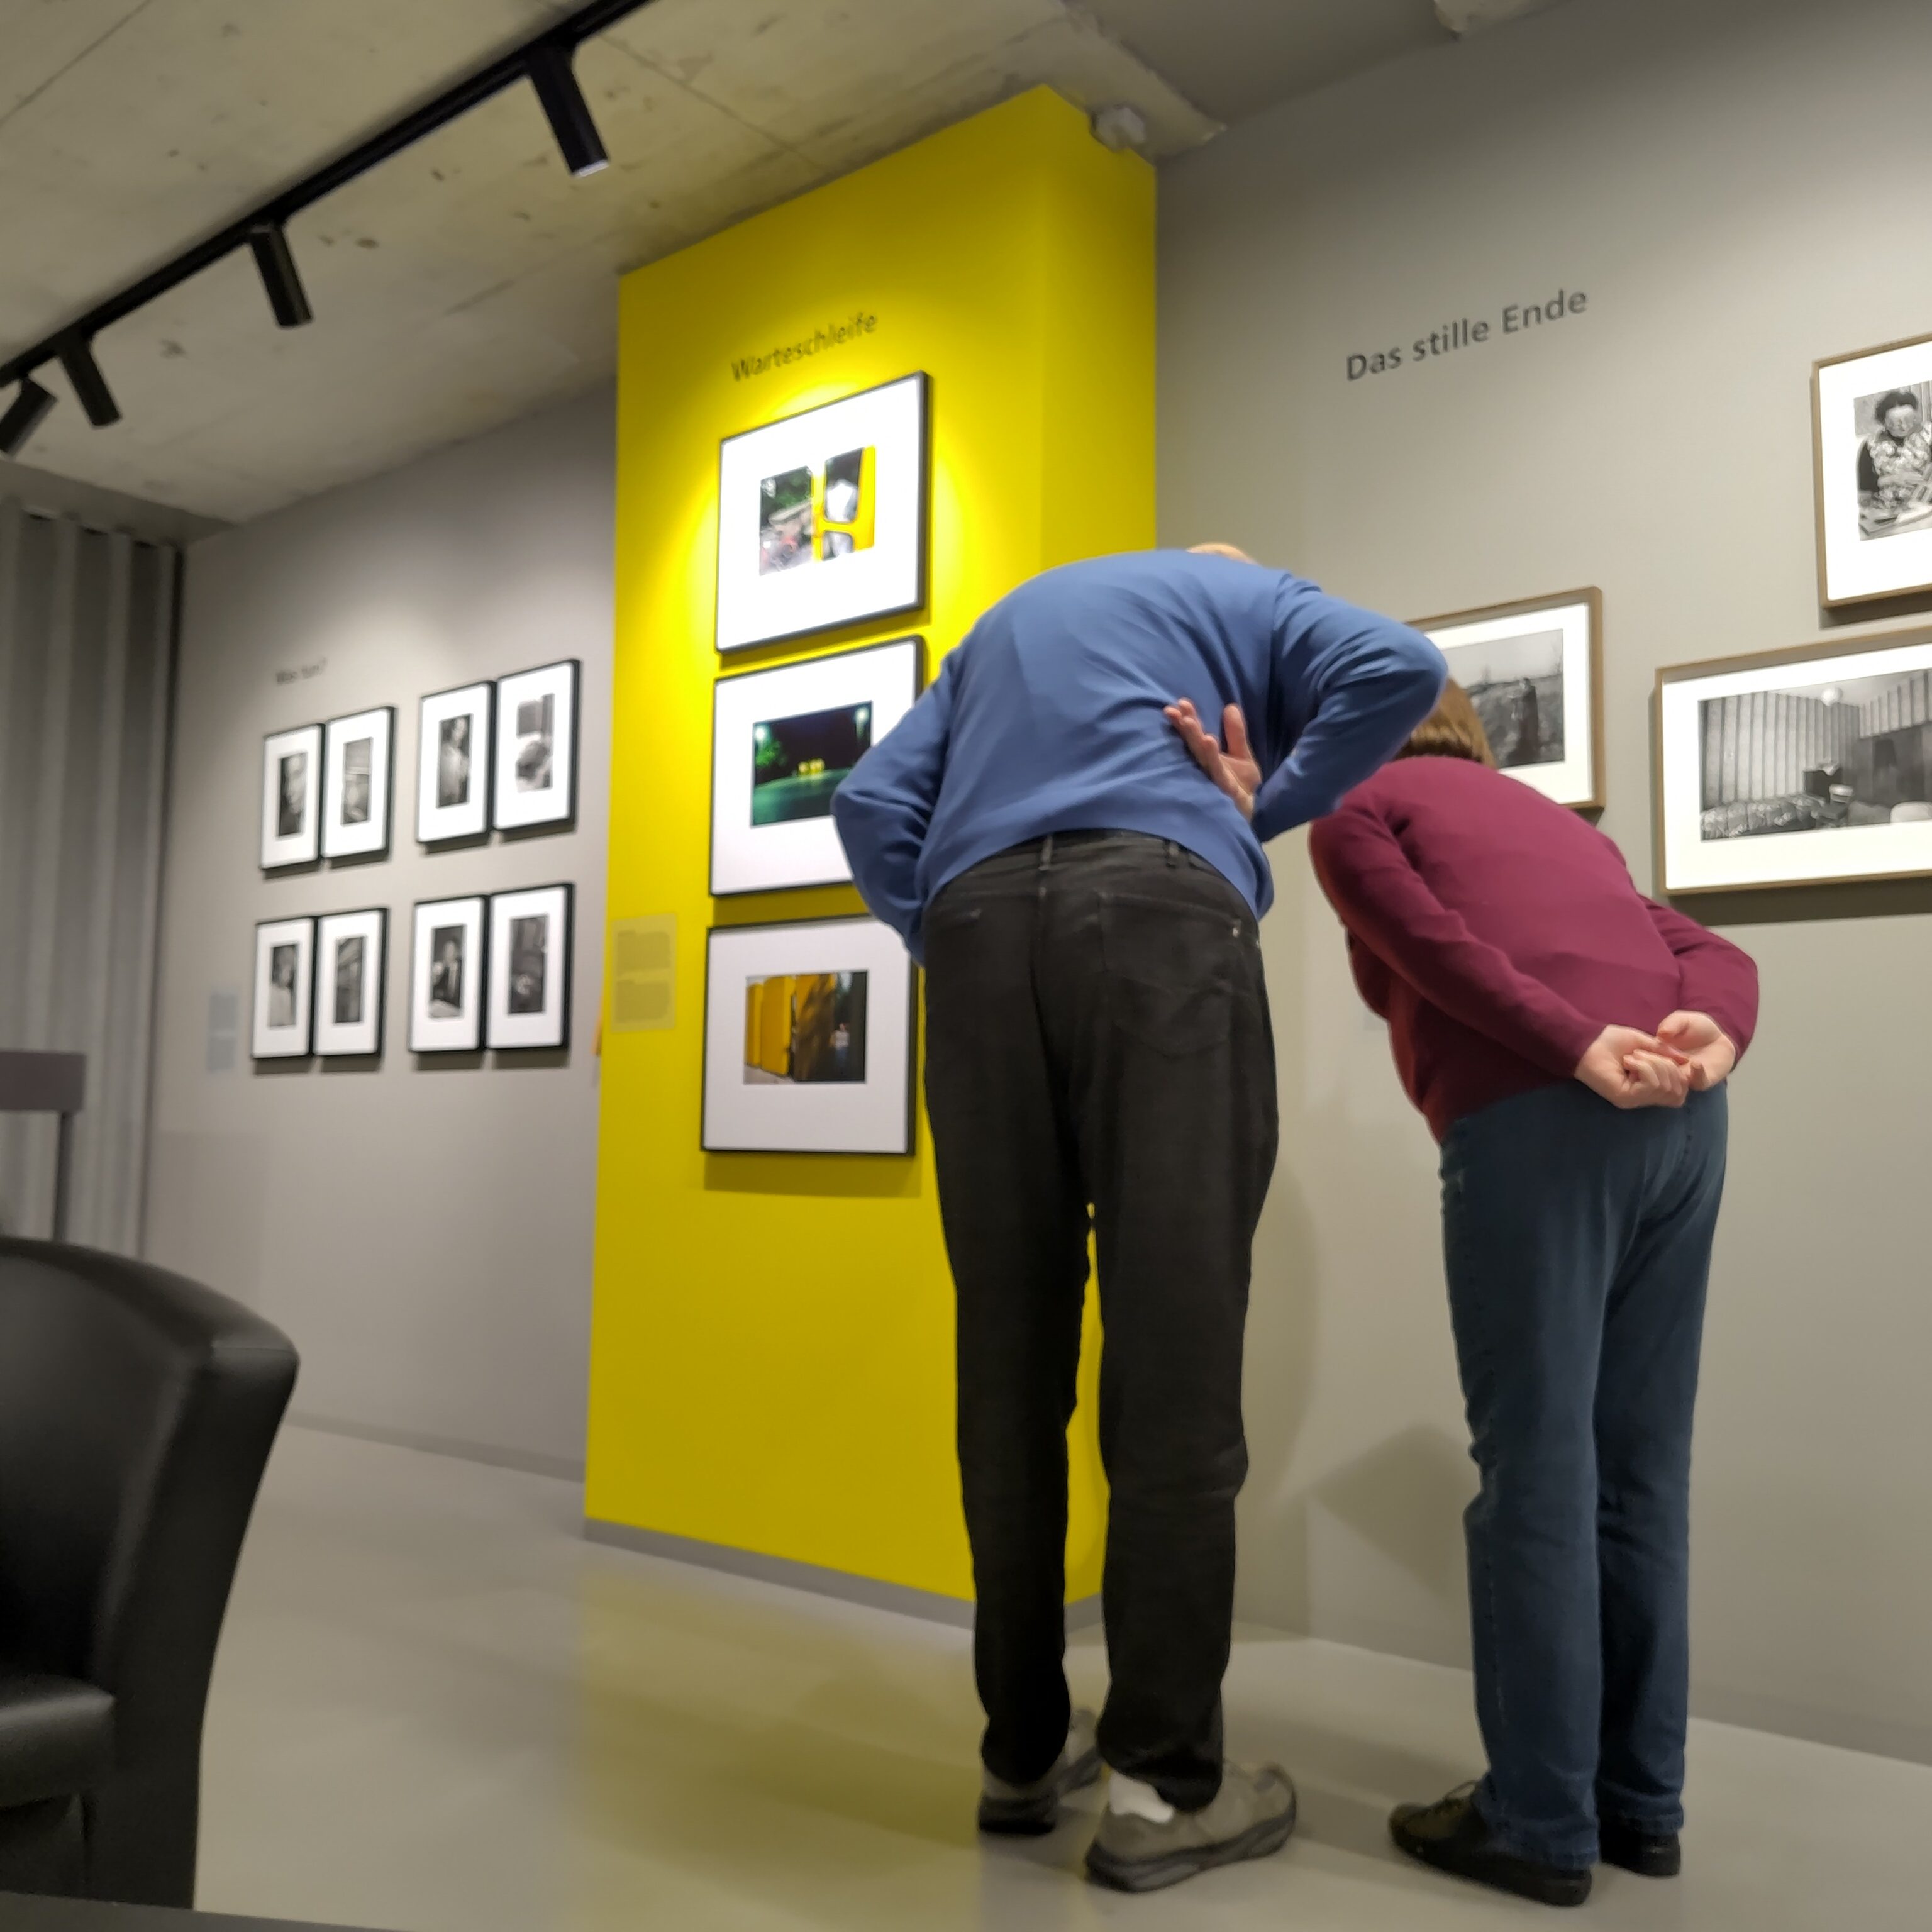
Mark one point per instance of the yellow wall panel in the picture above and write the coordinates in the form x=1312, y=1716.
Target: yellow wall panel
x=772, y=1354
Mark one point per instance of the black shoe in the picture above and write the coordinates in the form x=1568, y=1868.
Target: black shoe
x=1032, y=1810
x=1654, y=1854
x=1452, y=1835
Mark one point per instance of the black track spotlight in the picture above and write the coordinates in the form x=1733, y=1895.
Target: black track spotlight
x=566, y=110
x=77, y=357
x=25, y=415
x=269, y=242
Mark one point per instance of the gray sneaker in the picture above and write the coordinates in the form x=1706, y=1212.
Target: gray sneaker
x=1251, y=1816
x=1031, y=1811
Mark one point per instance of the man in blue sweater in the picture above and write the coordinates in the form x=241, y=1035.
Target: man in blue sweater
x=1084, y=899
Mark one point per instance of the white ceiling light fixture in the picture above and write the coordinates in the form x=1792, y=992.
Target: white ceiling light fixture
x=1120, y=127
x=1465, y=17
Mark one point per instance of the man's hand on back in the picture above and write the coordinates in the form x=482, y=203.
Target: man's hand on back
x=1235, y=769
x=1707, y=1052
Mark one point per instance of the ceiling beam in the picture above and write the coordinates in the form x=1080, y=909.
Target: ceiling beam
x=1465, y=17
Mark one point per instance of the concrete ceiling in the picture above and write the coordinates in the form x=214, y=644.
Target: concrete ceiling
x=470, y=281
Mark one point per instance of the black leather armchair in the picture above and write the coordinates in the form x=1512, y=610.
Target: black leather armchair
x=137, y=1411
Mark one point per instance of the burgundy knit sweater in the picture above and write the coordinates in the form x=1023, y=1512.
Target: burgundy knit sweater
x=1498, y=934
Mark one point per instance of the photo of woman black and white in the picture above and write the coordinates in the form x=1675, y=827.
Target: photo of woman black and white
x=358, y=762
x=282, y=986
x=1894, y=428
x=446, y=948
x=529, y=959
x=452, y=762
x=291, y=794
x=350, y=955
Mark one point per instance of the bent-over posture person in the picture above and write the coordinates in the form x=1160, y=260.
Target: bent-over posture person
x=1568, y=1041
x=1097, y=1032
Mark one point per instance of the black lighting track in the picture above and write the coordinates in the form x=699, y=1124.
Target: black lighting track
x=543, y=62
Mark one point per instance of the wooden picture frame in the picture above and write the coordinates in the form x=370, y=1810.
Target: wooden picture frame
x=1566, y=651
x=1880, y=546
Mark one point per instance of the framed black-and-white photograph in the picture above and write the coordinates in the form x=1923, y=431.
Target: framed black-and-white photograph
x=447, y=963
x=284, y=984
x=1872, y=432
x=1801, y=767
x=453, y=765
x=782, y=741
x=807, y=1039
x=536, y=748
x=530, y=967
x=822, y=516
x=356, y=762
x=1534, y=672
x=292, y=797
x=351, y=954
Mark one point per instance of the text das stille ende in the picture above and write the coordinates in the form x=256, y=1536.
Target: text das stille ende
x=1518, y=318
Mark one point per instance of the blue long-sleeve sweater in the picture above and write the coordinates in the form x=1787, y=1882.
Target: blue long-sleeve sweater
x=1047, y=718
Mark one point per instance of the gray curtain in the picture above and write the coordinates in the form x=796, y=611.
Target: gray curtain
x=87, y=624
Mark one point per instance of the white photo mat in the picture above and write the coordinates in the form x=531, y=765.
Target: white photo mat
x=1572, y=780
x=455, y=738
x=351, y=965
x=873, y=1115
x=756, y=606
x=535, y=776
x=355, y=803
x=284, y=981
x=747, y=857
x=439, y=1024
x=529, y=968
x=300, y=844
x=1689, y=862
x=1852, y=566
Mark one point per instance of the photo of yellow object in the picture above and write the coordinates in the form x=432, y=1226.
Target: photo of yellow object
x=805, y=1029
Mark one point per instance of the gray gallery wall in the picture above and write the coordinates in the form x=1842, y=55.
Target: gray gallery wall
x=1727, y=183
x=423, y=1232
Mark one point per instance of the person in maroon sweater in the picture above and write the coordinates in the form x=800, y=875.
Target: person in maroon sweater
x=1568, y=1042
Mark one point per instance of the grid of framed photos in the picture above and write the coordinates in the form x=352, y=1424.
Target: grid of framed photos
x=822, y=516
x=807, y=1039
x=1534, y=672
x=499, y=756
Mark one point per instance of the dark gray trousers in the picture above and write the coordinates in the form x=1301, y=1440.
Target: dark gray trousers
x=1098, y=1053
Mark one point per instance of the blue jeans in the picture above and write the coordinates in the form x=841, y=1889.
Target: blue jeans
x=1577, y=1241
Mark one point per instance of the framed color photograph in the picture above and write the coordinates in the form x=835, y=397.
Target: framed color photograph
x=822, y=516
x=782, y=742
x=447, y=963
x=284, y=981
x=529, y=968
x=292, y=797
x=350, y=952
x=536, y=748
x=1534, y=672
x=453, y=743
x=1798, y=767
x=1872, y=432
x=356, y=761
x=807, y=1039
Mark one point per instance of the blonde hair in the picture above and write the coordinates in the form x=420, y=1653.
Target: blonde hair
x=1218, y=550
x=1454, y=730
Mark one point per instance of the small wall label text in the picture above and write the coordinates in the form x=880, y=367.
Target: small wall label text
x=832, y=335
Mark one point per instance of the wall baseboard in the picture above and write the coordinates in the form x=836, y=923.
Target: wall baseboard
x=531, y=1462
x=930, y=1606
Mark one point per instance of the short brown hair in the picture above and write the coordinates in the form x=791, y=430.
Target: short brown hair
x=1454, y=730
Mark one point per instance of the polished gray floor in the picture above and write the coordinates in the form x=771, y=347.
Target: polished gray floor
x=437, y=1709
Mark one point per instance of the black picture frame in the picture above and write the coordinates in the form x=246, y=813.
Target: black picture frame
x=922, y=564
x=498, y=962
x=913, y=986
x=567, y=821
